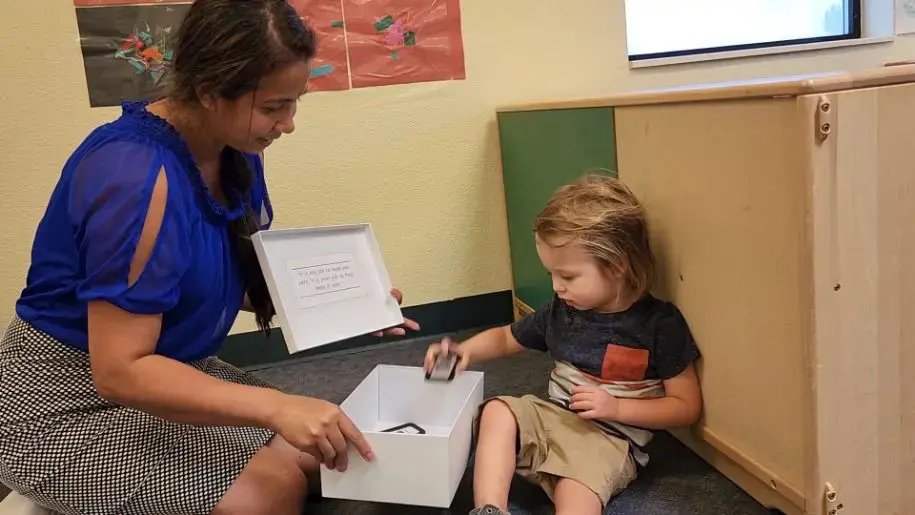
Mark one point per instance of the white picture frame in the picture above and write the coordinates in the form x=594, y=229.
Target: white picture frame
x=328, y=283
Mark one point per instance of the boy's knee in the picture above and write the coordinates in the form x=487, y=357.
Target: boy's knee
x=497, y=416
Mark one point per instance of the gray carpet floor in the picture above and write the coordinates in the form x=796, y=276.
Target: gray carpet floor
x=676, y=482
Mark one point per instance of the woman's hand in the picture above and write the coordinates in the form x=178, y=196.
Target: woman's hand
x=400, y=330
x=319, y=428
x=443, y=349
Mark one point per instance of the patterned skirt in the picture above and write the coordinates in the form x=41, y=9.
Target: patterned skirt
x=65, y=448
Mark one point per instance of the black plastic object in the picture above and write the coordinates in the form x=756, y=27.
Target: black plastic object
x=444, y=368
x=409, y=428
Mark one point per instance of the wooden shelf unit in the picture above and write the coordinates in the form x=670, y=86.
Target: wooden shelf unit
x=782, y=212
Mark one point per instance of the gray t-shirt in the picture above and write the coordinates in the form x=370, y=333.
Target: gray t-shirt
x=629, y=353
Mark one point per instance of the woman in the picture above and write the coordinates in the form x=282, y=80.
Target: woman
x=110, y=401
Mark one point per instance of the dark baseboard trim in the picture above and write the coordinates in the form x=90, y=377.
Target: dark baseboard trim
x=253, y=350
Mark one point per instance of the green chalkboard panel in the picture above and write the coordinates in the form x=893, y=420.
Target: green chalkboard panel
x=541, y=151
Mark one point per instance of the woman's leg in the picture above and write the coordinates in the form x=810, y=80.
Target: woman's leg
x=574, y=498
x=272, y=483
x=306, y=462
x=278, y=479
x=494, y=464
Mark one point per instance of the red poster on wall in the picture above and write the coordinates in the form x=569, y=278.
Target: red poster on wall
x=403, y=41
x=128, y=45
x=329, y=71
x=94, y=3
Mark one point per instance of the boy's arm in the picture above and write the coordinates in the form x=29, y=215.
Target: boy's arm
x=527, y=333
x=490, y=344
x=680, y=407
x=675, y=354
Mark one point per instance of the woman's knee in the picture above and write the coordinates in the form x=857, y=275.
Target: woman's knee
x=271, y=483
x=306, y=462
x=497, y=417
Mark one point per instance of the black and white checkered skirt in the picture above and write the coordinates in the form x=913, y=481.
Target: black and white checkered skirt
x=65, y=448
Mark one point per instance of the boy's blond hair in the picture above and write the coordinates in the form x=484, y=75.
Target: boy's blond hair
x=601, y=214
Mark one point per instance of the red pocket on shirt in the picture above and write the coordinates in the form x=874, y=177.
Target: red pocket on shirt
x=624, y=363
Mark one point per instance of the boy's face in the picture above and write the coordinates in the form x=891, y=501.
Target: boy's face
x=578, y=278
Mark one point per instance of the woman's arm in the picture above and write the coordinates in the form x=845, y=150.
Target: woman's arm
x=127, y=371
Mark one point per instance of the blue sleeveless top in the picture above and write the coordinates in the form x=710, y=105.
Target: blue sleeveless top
x=86, y=240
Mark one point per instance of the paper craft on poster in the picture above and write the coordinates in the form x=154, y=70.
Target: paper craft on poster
x=325, y=279
x=128, y=50
x=403, y=41
x=329, y=69
x=128, y=45
x=905, y=17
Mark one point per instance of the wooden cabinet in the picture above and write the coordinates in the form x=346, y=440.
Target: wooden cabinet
x=782, y=212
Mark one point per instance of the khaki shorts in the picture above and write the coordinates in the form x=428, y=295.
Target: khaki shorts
x=555, y=443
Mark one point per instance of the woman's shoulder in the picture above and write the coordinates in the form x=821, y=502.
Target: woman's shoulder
x=140, y=131
x=132, y=149
x=120, y=164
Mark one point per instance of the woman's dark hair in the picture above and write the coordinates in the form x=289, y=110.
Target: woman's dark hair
x=224, y=49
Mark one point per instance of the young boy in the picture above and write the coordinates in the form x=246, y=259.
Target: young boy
x=624, y=360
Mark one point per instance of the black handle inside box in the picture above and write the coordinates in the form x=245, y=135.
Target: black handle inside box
x=409, y=428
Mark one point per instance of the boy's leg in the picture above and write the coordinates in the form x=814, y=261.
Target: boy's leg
x=574, y=498
x=494, y=464
x=511, y=440
x=578, y=454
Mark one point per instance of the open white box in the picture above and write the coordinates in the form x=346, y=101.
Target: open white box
x=411, y=469
x=327, y=283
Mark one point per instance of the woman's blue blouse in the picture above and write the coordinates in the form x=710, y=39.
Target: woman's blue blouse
x=85, y=242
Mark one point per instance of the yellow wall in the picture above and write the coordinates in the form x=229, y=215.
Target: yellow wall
x=418, y=161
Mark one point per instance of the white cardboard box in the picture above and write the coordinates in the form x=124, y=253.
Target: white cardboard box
x=327, y=283
x=410, y=469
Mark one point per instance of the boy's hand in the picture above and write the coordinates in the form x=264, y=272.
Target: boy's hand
x=446, y=347
x=592, y=402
